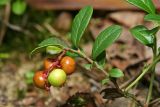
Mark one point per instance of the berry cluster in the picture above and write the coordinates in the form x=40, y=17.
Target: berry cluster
x=55, y=73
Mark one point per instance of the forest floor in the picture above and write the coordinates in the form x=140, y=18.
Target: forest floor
x=17, y=90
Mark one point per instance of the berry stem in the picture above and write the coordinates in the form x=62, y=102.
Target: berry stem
x=46, y=72
x=154, y=49
x=87, y=59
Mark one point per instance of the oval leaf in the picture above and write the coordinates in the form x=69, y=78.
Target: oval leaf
x=49, y=42
x=19, y=7
x=116, y=73
x=153, y=17
x=53, y=41
x=146, y=5
x=80, y=23
x=143, y=35
x=105, y=39
x=53, y=50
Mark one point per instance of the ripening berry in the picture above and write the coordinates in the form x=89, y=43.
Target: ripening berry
x=47, y=63
x=68, y=64
x=39, y=80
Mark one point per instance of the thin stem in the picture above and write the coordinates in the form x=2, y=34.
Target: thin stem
x=144, y=71
x=87, y=59
x=154, y=49
x=150, y=89
x=124, y=85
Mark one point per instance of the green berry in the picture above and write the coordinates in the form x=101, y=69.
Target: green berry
x=57, y=77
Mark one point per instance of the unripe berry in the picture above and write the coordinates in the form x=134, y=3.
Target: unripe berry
x=68, y=64
x=57, y=77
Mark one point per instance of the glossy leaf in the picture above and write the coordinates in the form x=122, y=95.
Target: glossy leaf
x=153, y=17
x=53, y=41
x=80, y=23
x=153, y=31
x=53, y=50
x=143, y=35
x=105, y=39
x=4, y=2
x=146, y=5
x=49, y=42
x=19, y=7
x=116, y=73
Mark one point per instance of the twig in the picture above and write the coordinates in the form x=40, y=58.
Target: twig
x=6, y=20
x=154, y=101
x=51, y=29
x=18, y=29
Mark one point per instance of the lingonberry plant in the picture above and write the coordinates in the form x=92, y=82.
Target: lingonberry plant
x=57, y=68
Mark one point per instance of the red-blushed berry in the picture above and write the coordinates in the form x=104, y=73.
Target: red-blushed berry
x=39, y=79
x=48, y=63
x=68, y=64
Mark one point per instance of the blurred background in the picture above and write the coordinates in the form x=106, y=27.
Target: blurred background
x=25, y=23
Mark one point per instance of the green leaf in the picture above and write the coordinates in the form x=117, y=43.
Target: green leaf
x=116, y=73
x=153, y=31
x=143, y=35
x=152, y=17
x=4, y=2
x=53, y=50
x=71, y=54
x=49, y=42
x=19, y=7
x=105, y=39
x=80, y=23
x=53, y=41
x=101, y=59
x=146, y=5
x=105, y=81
